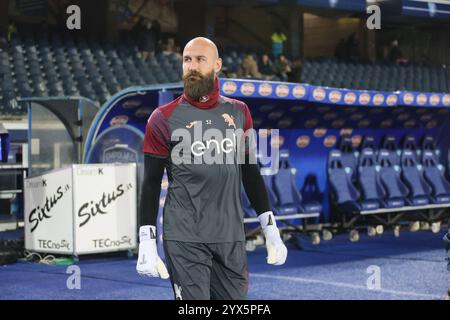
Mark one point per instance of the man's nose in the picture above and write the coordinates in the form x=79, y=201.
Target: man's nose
x=193, y=66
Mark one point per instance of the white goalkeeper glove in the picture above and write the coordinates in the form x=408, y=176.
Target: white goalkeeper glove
x=276, y=250
x=149, y=263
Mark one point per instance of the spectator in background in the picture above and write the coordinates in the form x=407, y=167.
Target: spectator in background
x=296, y=71
x=148, y=36
x=352, y=46
x=12, y=29
x=249, y=68
x=340, y=52
x=395, y=54
x=177, y=52
x=169, y=47
x=171, y=43
x=266, y=67
x=3, y=41
x=282, y=68
x=278, y=39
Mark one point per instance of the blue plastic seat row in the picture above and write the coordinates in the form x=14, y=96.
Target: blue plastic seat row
x=383, y=183
x=284, y=196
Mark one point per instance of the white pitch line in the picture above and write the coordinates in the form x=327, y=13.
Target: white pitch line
x=345, y=285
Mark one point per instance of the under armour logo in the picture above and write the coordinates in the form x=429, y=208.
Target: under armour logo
x=178, y=290
x=270, y=222
x=152, y=234
x=44, y=183
x=100, y=171
x=204, y=99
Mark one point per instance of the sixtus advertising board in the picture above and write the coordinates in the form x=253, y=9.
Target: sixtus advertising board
x=82, y=209
x=48, y=212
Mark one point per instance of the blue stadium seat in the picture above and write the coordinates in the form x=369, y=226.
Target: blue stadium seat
x=412, y=174
x=429, y=144
x=340, y=178
x=395, y=190
x=434, y=175
x=349, y=156
x=368, y=142
x=289, y=198
x=390, y=144
x=410, y=143
x=368, y=180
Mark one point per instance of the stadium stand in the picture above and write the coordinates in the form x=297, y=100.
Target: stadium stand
x=57, y=65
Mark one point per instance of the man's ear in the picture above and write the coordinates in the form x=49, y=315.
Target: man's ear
x=218, y=65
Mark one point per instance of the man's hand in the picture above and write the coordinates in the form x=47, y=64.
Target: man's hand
x=149, y=263
x=276, y=250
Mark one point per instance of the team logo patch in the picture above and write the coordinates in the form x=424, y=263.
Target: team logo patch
x=364, y=98
x=391, y=100
x=282, y=90
x=319, y=132
x=302, y=141
x=378, y=99
x=299, y=91
x=421, y=99
x=191, y=124
x=229, y=120
x=319, y=94
x=177, y=290
x=446, y=100
x=229, y=87
x=335, y=96
x=248, y=88
x=119, y=120
x=408, y=98
x=329, y=141
x=434, y=99
x=350, y=98
x=277, y=141
x=265, y=89
x=204, y=98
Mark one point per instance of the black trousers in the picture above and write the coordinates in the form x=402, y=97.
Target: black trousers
x=204, y=271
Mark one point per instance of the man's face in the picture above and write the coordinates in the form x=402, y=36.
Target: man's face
x=200, y=65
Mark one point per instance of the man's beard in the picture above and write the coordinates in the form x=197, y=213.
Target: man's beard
x=197, y=85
